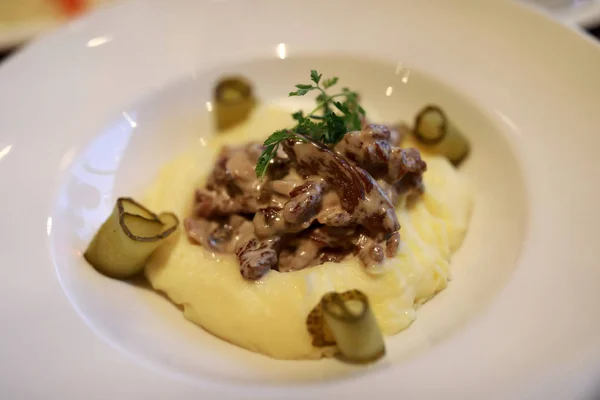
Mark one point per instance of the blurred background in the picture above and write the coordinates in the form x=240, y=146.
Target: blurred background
x=23, y=20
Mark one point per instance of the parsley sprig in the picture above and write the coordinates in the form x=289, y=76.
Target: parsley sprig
x=334, y=115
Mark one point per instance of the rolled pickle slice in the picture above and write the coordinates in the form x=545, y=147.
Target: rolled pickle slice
x=233, y=102
x=346, y=320
x=439, y=135
x=126, y=239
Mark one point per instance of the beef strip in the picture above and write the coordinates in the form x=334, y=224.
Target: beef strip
x=315, y=246
x=398, y=133
x=372, y=149
x=392, y=244
x=360, y=196
x=257, y=257
x=236, y=235
x=305, y=201
x=369, y=250
x=304, y=254
x=219, y=234
x=270, y=222
x=211, y=204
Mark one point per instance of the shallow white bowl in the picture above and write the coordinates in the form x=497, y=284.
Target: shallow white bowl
x=83, y=124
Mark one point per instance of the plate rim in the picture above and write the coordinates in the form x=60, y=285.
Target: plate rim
x=24, y=60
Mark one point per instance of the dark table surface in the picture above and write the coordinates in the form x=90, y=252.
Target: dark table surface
x=5, y=53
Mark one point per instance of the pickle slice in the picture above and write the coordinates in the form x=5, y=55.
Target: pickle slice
x=233, y=102
x=439, y=135
x=126, y=239
x=346, y=320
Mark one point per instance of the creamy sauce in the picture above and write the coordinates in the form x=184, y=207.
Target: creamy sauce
x=268, y=316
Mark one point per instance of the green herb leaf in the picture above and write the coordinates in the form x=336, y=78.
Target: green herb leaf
x=311, y=129
x=300, y=92
x=342, y=107
x=330, y=82
x=277, y=137
x=264, y=160
x=315, y=76
x=336, y=128
x=326, y=127
x=298, y=115
x=353, y=122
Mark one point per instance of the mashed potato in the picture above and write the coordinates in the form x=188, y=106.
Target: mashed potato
x=268, y=316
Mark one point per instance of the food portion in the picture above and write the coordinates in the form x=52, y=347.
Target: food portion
x=315, y=241
x=323, y=191
x=313, y=206
x=269, y=315
x=123, y=244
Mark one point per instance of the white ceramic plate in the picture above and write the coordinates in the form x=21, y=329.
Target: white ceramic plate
x=90, y=112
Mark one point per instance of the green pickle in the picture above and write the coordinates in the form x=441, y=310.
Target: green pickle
x=127, y=238
x=437, y=134
x=233, y=102
x=347, y=321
